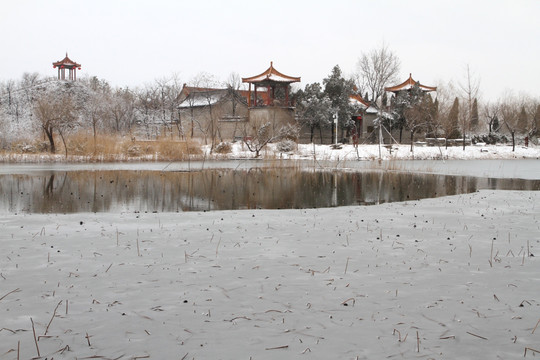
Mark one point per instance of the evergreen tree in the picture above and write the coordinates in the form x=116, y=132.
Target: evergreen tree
x=452, y=126
x=474, y=115
x=412, y=110
x=522, y=123
x=338, y=90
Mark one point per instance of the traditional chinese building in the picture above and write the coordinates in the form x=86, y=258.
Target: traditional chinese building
x=275, y=106
x=204, y=111
x=67, y=64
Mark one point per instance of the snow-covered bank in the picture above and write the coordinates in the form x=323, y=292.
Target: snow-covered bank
x=318, y=152
x=395, y=152
x=452, y=277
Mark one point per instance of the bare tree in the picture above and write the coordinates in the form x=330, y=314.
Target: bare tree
x=167, y=98
x=257, y=134
x=509, y=110
x=208, y=84
x=56, y=114
x=491, y=112
x=469, y=88
x=376, y=70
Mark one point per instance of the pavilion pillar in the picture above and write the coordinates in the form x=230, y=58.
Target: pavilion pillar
x=249, y=95
x=255, y=100
x=268, y=96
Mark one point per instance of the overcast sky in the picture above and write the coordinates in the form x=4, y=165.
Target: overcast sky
x=132, y=43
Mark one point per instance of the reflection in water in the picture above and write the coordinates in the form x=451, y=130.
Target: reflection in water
x=131, y=191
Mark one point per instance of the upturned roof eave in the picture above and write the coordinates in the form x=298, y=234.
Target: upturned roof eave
x=409, y=82
x=268, y=74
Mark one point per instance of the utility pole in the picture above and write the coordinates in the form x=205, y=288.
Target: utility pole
x=336, y=127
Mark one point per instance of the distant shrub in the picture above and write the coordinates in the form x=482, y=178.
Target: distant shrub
x=223, y=148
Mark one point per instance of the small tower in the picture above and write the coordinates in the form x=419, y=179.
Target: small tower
x=69, y=64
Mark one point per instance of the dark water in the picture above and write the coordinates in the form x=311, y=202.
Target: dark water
x=280, y=188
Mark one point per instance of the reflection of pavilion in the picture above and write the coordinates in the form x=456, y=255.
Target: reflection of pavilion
x=275, y=106
x=67, y=63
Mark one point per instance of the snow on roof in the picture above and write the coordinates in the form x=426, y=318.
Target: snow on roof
x=66, y=62
x=201, y=99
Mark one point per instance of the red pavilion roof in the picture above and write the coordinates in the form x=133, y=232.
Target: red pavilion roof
x=66, y=62
x=271, y=75
x=408, y=84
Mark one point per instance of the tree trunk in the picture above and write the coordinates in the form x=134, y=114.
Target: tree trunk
x=463, y=140
x=49, y=133
x=513, y=140
x=412, y=139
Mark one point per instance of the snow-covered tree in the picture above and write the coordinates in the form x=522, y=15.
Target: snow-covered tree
x=314, y=108
x=536, y=121
x=338, y=90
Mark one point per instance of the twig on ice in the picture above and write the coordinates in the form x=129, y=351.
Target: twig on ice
x=535, y=327
x=278, y=347
x=35, y=340
x=11, y=292
x=52, y=317
x=478, y=336
x=531, y=349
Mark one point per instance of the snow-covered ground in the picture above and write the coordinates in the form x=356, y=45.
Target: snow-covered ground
x=452, y=277
x=396, y=152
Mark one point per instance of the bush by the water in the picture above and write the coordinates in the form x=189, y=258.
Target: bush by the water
x=223, y=148
x=490, y=139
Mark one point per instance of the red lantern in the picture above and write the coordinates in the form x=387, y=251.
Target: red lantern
x=79, y=68
x=54, y=66
x=61, y=67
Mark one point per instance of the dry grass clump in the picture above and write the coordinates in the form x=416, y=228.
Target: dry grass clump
x=29, y=147
x=106, y=147
x=168, y=149
x=116, y=147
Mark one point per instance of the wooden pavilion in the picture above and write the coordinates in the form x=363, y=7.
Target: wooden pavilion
x=272, y=82
x=67, y=63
